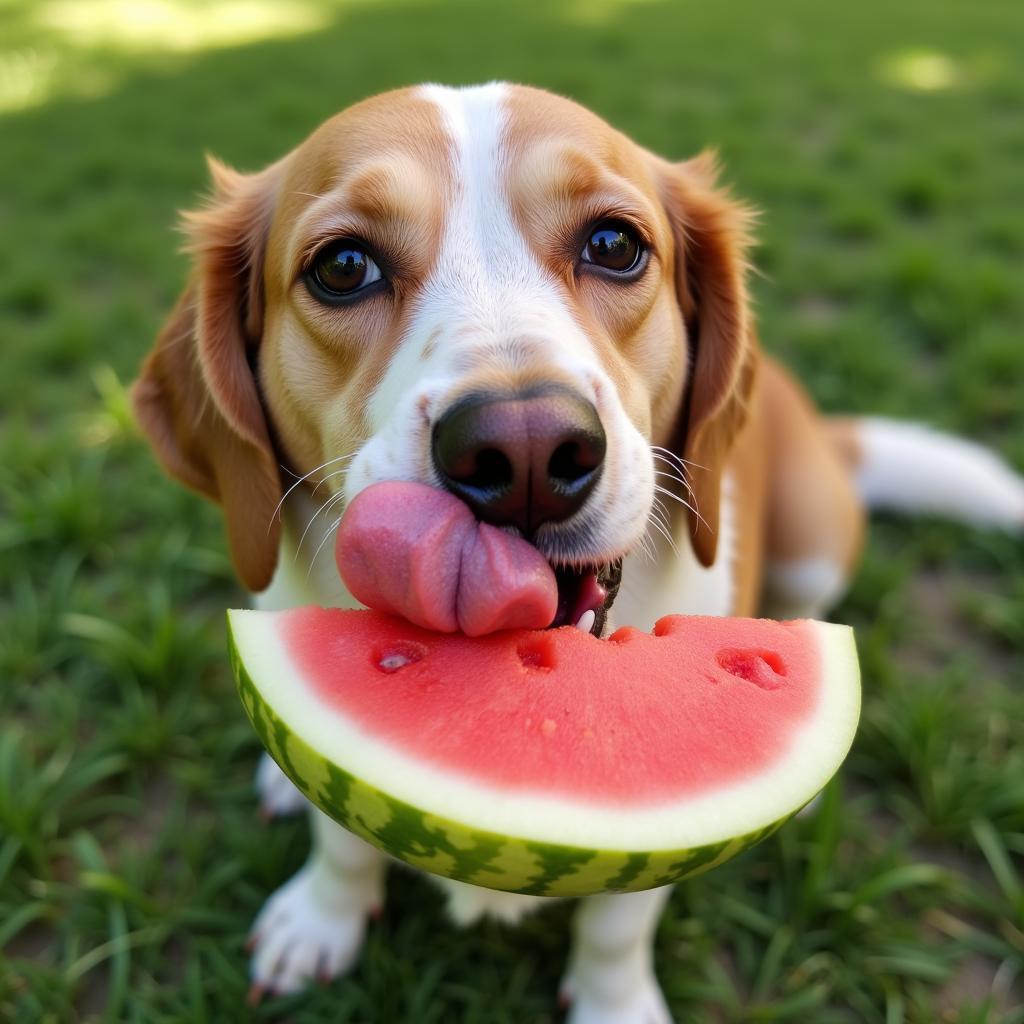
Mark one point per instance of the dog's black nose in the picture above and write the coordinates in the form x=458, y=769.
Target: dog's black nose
x=521, y=459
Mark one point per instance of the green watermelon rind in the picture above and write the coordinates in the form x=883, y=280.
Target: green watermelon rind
x=456, y=850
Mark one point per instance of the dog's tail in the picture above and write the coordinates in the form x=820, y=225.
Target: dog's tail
x=911, y=468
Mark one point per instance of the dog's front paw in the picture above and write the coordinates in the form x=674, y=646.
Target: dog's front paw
x=277, y=793
x=642, y=1004
x=299, y=938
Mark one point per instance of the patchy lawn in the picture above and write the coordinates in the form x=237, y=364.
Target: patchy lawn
x=884, y=143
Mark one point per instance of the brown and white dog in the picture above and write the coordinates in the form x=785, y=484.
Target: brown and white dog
x=502, y=250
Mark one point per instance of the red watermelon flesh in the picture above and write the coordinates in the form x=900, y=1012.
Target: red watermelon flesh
x=548, y=761
x=700, y=704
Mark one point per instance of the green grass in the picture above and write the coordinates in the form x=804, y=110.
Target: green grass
x=131, y=861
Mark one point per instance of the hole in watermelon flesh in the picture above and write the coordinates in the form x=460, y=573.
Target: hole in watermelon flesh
x=666, y=625
x=624, y=634
x=761, y=667
x=537, y=652
x=397, y=655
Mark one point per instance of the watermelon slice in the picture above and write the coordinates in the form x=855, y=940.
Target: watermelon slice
x=550, y=761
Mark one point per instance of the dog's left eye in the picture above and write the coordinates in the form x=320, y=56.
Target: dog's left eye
x=341, y=270
x=614, y=246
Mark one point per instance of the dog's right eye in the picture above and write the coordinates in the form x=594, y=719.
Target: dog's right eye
x=615, y=249
x=341, y=271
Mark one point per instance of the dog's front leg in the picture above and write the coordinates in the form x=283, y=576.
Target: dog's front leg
x=278, y=795
x=611, y=972
x=312, y=928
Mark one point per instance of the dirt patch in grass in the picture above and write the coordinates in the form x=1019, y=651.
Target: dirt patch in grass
x=945, y=630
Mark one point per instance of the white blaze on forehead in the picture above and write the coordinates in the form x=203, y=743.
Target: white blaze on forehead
x=483, y=246
x=487, y=287
x=475, y=120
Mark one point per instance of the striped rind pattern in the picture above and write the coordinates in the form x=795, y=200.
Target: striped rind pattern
x=453, y=849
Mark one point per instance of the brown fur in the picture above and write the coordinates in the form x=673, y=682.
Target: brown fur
x=679, y=344
x=711, y=232
x=196, y=398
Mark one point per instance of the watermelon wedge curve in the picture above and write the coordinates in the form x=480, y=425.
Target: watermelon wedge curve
x=551, y=762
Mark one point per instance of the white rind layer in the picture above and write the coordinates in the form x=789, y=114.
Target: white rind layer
x=821, y=743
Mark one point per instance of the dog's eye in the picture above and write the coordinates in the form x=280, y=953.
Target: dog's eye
x=613, y=246
x=340, y=270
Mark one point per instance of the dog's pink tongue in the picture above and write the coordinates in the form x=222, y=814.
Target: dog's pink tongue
x=420, y=553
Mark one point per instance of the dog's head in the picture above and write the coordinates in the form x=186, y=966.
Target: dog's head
x=489, y=290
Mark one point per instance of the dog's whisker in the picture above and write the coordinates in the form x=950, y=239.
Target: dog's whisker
x=673, y=474
x=661, y=529
x=677, y=458
x=324, y=479
x=669, y=457
x=681, y=501
x=659, y=519
x=686, y=496
x=645, y=545
x=666, y=456
x=677, y=471
x=675, y=497
x=684, y=503
x=658, y=523
x=305, y=476
x=332, y=501
x=299, y=480
x=661, y=510
x=327, y=536
x=646, y=548
x=655, y=499
x=671, y=471
x=668, y=538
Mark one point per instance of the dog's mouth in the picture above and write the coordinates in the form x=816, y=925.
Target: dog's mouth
x=418, y=552
x=585, y=595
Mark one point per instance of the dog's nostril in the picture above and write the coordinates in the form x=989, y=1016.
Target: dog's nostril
x=572, y=461
x=491, y=471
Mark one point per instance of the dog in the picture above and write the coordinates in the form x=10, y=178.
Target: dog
x=492, y=291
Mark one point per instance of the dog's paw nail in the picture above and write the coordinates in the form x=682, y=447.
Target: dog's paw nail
x=255, y=994
x=376, y=912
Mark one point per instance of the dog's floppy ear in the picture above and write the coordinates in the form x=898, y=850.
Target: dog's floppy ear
x=712, y=235
x=196, y=398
